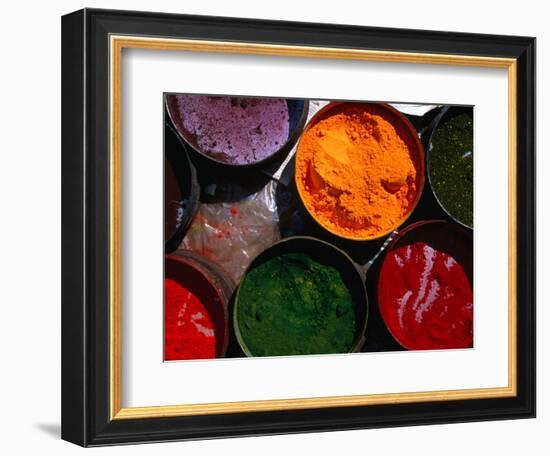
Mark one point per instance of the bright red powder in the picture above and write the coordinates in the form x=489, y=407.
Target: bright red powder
x=188, y=328
x=426, y=298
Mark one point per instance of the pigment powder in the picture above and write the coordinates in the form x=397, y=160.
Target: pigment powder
x=358, y=171
x=451, y=164
x=294, y=305
x=425, y=296
x=235, y=130
x=193, y=316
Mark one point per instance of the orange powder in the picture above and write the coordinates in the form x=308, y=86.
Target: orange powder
x=357, y=170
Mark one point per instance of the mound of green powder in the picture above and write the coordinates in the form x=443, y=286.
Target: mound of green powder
x=294, y=305
x=451, y=163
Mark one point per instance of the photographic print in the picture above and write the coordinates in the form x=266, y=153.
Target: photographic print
x=316, y=227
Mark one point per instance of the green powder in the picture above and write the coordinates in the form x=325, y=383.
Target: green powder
x=451, y=163
x=294, y=305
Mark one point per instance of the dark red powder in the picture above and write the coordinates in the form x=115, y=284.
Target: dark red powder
x=425, y=297
x=234, y=211
x=189, y=330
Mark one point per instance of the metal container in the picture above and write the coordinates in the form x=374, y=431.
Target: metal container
x=352, y=275
x=457, y=241
x=297, y=109
x=191, y=270
x=447, y=113
x=398, y=119
x=181, y=190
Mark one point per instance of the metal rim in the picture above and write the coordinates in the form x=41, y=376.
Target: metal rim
x=421, y=172
x=361, y=336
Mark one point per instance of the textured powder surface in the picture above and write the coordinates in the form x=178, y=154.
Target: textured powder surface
x=357, y=172
x=235, y=130
x=426, y=298
x=292, y=305
x=189, y=328
x=452, y=167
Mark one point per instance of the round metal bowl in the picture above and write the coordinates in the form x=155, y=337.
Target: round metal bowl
x=398, y=119
x=297, y=109
x=325, y=253
x=446, y=114
x=457, y=242
x=197, y=275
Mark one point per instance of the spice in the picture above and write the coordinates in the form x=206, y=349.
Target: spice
x=189, y=328
x=292, y=305
x=425, y=296
x=451, y=165
x=235, y=130
x=358, y=170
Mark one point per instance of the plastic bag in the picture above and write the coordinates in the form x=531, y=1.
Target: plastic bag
x=233, y=232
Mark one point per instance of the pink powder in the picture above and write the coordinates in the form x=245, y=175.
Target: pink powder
x=235, y=130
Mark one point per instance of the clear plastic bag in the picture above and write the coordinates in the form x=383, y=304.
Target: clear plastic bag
x=233, y=232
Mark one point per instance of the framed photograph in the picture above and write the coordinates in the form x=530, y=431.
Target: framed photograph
x=275, y=227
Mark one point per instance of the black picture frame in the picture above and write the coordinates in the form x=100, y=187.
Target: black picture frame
x=85, y=227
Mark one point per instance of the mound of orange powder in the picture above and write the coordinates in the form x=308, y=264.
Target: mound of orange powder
x=358, y=170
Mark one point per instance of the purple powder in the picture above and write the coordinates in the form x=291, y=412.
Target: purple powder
x=235, y=130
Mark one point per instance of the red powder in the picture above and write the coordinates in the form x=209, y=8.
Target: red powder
x=425, y=298
x=188, y=328
x=234, y=211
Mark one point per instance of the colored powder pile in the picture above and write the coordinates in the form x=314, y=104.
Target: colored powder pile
x=294, y=305
x=234, y=130
x=357, y=172
x=425, y=298
x=451, y=164
x=189, y=331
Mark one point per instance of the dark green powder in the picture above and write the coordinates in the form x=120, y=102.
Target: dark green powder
x=294, y=305
x=451, y=164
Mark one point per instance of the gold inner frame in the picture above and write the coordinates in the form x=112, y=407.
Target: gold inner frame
x=117, y=44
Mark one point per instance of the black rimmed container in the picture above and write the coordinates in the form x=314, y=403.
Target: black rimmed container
x=447, y=113
x=400, y=121
x=351, y=274
x=181, y=190
x=203, y=277
x=297, y=109
x=444, y=235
